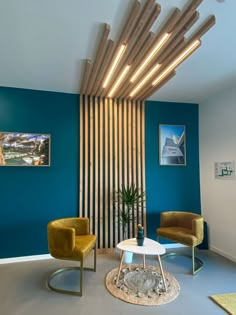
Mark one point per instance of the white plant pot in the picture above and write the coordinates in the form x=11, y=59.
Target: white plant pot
x=128, y=257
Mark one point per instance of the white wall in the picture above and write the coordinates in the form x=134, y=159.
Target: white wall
x=217, y=132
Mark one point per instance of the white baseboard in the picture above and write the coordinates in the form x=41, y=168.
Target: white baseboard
x=24, y=258
x=48, y=256
x=222, y=253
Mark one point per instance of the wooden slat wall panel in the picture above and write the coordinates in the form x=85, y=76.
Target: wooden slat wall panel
x=112, y=154
x=125, y=145
x=101, y=179
x=116, y=169
x=139, y=173
x=86, y=165
x=129, y=156
x=106, y=208
x=96, y=204
x=120, y=158
x=81, y=152
x=143, y=165
x=111, y=172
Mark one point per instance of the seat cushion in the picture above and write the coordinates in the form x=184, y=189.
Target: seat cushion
x=83, y=245
x=178, y=234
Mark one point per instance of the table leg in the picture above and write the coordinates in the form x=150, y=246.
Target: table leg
x=121, y=261
x=162, y=273
x=144, y=262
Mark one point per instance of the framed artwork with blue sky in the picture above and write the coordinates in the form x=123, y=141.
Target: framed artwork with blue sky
x=24, y=149
x=172, y=145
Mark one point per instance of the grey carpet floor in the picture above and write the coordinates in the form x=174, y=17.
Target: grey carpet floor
x=23, y=290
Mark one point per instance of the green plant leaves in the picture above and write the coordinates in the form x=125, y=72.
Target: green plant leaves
x=129, y=199
x=130, y=196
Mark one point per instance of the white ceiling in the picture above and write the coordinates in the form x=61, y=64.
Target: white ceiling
x=44, y=44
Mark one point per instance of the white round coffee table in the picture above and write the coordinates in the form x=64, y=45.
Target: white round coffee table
x=150, y=247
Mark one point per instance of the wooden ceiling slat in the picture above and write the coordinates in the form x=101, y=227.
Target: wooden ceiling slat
x=140, y=42
x=103, y=66
x=134, y=37
x=178, y=38
x=85, y=76
x=204, y=28
x=166, y=27
x=172, y=19
x=174, y=41
x=143, y=36
x=126, y=84
x=154, y=89
x=193, y=5
x=129, y=24
x=175, y=45
x=98, y=58
x=197, y=35
x=141, y=20
x=125, y=35
x=138, y=39
x=173, y=50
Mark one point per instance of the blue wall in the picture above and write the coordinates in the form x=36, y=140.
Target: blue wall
x=171, y=187
x=32, y=196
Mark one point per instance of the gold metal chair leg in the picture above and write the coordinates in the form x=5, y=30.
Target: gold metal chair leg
x=81, y=278
x=197, y=263
x=80, y=268
x=95, y=258
x=60, y=271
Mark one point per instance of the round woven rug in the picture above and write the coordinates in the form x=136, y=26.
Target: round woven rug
x=142, y=286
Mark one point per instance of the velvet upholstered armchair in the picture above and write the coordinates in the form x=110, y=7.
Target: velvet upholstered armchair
x=69, y=239
x=185, y=228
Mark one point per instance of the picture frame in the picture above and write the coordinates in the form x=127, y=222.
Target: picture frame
x=172, y=145
x=24, y=149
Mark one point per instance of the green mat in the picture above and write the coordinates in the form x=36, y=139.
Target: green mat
x=226, y=301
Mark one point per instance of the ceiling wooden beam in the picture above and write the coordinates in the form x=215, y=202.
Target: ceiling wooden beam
x=128, y=68
x=98, y=58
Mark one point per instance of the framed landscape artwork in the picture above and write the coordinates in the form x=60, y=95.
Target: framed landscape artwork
x=24, y=149
x=172, y=145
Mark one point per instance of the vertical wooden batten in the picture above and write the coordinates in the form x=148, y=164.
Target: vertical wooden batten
x=106, y=179
x=86, y=165
x=115, y=170
x=111, y=172
x=101, y=176
x=96, y=158
x=121, y=178
x=91, y=164
x=143, y=217
x=108, y=160
x=81, y=152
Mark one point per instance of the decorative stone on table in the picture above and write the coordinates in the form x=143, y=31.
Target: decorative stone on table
x=140, y=235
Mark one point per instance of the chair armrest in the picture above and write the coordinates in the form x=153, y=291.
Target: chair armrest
x=61, y=240
x=198, y=228
x=81, y=226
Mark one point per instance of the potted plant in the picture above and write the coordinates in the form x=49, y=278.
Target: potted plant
x=128, y=198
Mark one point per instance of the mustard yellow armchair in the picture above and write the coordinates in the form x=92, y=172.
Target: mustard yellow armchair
x=70, y=239
x=185, y=228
